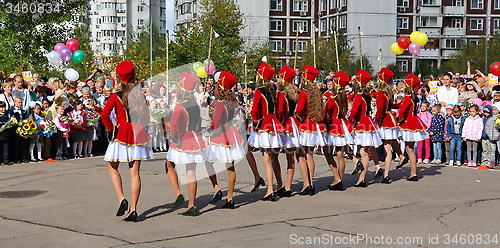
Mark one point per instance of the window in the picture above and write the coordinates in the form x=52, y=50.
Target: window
x=276, y=26
x=120, y=6
x=109, y=5
x=323, y=4
x=402, y=23
x=324, y=25
x=99, y=20
x=302, y=46
x=98, y=7
x=333, y=23
x=451, y=43
x=140, y=8
x=276, y=5
x=343, y=3
x=333, y=4
x=474, y=42
x=89, y=20
x=140, y=22
x=402, y=3
x=343, y=21
x=120, y=33
x=163, y=11
x=185, y=8
x=428, y=2
x=427, y=21
x=300, y=5
x=120, y=19
x=476, y=24
x=476, y=4
x=496, y=4
x=300, y=26
x=496, y=24
x=163, y=23
x=403, y=65
x=456, y=22
x=457, y=3
x=276, y=45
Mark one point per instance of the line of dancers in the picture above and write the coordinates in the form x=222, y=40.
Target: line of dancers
x=284, y=117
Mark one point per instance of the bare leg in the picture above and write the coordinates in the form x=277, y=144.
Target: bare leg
x=328, y=151
x=116, y=180
x=276, y=167
x=135, y=183
x=253, y=164
x=212, y=175
x=192, y=184
x=374, y=154
x=301, y=157
x=413, y=159
x=310, y=163
x=231, y=175
x=266, y=159
x=341, y=162
x=365, y=160
x=290, y=159
x=172, y=177
x=388, y=156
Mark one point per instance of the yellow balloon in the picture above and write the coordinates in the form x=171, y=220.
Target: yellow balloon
x=422, y=39
x=396, y=49
x=414, y=36
x=201, y=72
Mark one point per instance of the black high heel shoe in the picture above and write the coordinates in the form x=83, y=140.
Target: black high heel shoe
x=403, y=162
x=359, y=168
x=337, y=187
x=190, y=212
x=123, y=208
x=379, y=173
x=305, y=191
x=280, y=192
x=258, y=184
x=229, y=204
x=217, y=197
x=132, y=217
x=287, y=193
x=312, y=190
x=362, y=184
x=386, y=180
x=178, y=201
x=271, y=197
x=412, y=179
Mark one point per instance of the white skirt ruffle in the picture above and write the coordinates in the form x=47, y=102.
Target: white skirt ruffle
x=389, y=133
x=118, y=152
x=178, y=157
x=265, y=139
x=367, y=139
x=414, y=136
x=334, y=140
x=312, y=139
x=291, y=140
x=224, y=154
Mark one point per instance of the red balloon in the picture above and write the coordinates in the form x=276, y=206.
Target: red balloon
x=404, y=42
x=73, y=45
x=495, y=68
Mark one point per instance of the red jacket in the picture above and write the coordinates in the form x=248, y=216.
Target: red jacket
x=359, y=116
x=302, y=112
x=184, y=126
x=285, y=109
x=409, y=121
x=263, y=112
x=384, y=115
x=331, y=119
x=226, y=133
x=125, y=132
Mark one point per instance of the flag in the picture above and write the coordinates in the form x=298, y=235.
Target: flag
x=216, y=35
x=245, y=60
x=264, y=59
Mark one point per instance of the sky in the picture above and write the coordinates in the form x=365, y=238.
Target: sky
x=170, y=14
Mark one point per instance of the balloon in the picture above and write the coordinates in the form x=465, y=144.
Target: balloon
x=72, y=44
x=54, y=58
x=217, y=76
x=422, y=39
x=206, y=62
x=414, y=36
x=404, y=42
x=197, y=65
x=66, y=54
x=414, y=48
x=201, y=72
x=71, y=74
x=58, y=47
x=210, y=69
x=78, y=56
x=396, y=49
x=495, y=68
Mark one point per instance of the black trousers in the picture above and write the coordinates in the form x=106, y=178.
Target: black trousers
x=18, y=148
x=61, y=148
x=4, y=145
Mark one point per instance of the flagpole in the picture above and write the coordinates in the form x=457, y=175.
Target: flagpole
x=380, y=58
x=246, y=73
x=296, y=47
x=209, y=51
x=314, y=42
x=336, y=49
x=360, y=48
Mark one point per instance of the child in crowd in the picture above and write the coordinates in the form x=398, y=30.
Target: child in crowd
x=78, y=128
x=152, y=126
x=454, y=129
x=5, y=134
x=90, y=133
x=448, y=114
x=47, y=141
x=37, y=139
x=436, y=132
x=485, y=142
x=493, y=133
x=471, y=133
x=18, y=145
x=162, y=139
x=60, y=136
x=426, y=118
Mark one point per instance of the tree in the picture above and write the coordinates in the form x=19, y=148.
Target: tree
x=476, y=53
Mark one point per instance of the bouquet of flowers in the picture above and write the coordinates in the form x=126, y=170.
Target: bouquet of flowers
x=27, y=128
x=157, y=114
x=46, y=128
x=497, y=120
x=10, y=123
x=92, y=116
x=66, y=123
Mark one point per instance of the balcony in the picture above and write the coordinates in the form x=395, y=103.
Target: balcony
x=448, y=52
x=430, y=10
x=449, y=31
x=454, y=11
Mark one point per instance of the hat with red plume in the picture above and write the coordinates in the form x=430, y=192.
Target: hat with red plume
x=412, y=80
x=385, y=75
x=188, y=82
x=227, y=80
x=341, y=78
x=266, y=71
x=287, y=73
x=126, y=71
x=310, y=73
x=363, y=77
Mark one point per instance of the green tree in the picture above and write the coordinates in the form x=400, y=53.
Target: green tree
x=476, y=53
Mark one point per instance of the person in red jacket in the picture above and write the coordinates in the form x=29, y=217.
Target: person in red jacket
x=186, y=144
x=309, y=112
x=286, y=102
x=226, y=143
x=338, y=129
x=412, y=128
x=129, y=142
x=365, y=129
x=389, y=129
x=267, y=127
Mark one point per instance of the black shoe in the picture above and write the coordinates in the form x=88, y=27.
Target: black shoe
x=271, y=197
x=287, y=193
x=217, y=197
x=280, y=192
x=379, y=173
x=312, y=190
x=132, y=216
x=258, y=184
x=178, y=201
x=229, y=204
x=359, y=168
x=25, y=161
x=190, y=212
x=123, y=208
x=305, y=191
x=337, y=187
x=8, y=163
x=413, y=179
x=403, y=162
x=386, y=180
x=362, y=184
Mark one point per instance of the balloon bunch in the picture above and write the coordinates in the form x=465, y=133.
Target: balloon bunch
x=413, y=44
x=66, y=53
x=204, y=69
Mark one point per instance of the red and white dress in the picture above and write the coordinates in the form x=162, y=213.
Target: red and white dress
x=365, y=129
x=186, y=144
x=412, y=128
x=129, y=140
x=389, y=129
x=285, y=109
x=311, y=133
x=338, y=130
x=267, y=126
x=226, y=144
